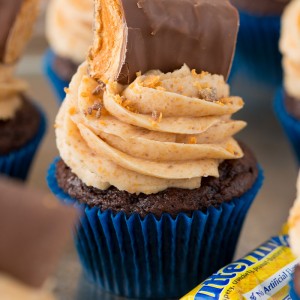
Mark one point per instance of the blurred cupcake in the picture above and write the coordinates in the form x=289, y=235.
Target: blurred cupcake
x=164, y=186
x=257, y=53
x=287, y=101
x=69, y=32
x=22, y=124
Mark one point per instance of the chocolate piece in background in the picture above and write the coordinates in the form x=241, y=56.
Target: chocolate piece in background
x=262, y=7
x=141, y=35
x=34, y=229
x=297, y=280
x=17, y=18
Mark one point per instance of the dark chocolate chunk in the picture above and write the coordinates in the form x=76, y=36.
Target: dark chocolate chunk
x=292, y=105
x=141, y=35
x=34, y=229
x=16, y=132
x=263, y=7
x=8, y=12
x=236, y=177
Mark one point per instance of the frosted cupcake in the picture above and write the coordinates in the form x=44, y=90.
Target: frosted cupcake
x=287, y=102
x=150, y=157
x=22, y=124
x=69, y=33
x=257, y=52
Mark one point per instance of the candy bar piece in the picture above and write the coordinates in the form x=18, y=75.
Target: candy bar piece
x=34, y=229
x=141, y=35
x=17, y=18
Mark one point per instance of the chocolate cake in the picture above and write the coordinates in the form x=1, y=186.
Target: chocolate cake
x=16, y=132
x=292, y=105
x=236, y=177
x=64, y=67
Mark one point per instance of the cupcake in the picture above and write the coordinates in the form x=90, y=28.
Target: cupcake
x=69, y=33
x=33, y=230
x=22, y=123
x=257, y=53
x=294, y=232
x=147, y=149
x=287, y=100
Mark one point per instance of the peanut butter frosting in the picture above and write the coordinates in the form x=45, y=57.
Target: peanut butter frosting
x=161, y=131
x=294, y=223
x=69, y=28
x=290, y=48
x=11, y=289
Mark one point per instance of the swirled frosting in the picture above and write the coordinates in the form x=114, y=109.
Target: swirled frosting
x=10, y=89
x=290, y=48
x=161, y=131
x=69, y=28
x=294, y=222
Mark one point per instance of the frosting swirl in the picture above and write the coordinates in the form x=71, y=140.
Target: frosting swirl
x=69, y=28
x=10, y=89
x=290, y=48
x=163, y=130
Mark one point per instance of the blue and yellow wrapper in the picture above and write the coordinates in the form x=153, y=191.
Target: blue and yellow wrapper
x=17, y=163
x=56, y=82
x=155, y=257
x=290, y=125
x=264, y=273
x=257, y=52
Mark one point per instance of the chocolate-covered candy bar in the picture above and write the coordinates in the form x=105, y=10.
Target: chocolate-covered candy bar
x=34, y=229
x=141, y=35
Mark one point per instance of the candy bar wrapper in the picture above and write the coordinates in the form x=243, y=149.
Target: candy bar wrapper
x=56, y=82
x=257, y=54
x=290, y=125
x=265, y=273
x=17, y=163
x=155, y=257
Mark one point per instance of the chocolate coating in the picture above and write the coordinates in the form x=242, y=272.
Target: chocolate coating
x=8, y=13
x=165, y=34
x=16, y=132
x=236, y=177
x=34, y=229
x=262, y=7
x=292, y=105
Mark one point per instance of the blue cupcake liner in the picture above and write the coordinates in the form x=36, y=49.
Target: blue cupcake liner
x=155, y=257
x=17, y=163
x=290, y=125
x=257, y=52
x=56, y=82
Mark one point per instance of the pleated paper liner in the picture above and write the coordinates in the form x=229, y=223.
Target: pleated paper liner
x=56, y=82
x=257, y=54
x=290, y=125
x=156, y=257
x=17, y=163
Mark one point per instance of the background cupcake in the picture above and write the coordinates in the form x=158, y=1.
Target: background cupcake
x=22, y=124
x=287, y=102
x=164, y=186
x=257, y=53
x=69, y=33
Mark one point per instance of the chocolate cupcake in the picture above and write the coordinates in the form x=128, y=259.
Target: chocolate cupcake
x=69, y=32
x=287, y=101
x=22, y=124
x=257, y=53
x=149, y=156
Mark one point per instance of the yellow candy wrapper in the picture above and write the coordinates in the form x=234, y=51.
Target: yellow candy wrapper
x=262, y=274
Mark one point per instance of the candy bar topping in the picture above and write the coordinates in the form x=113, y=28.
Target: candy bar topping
x=17, y=20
